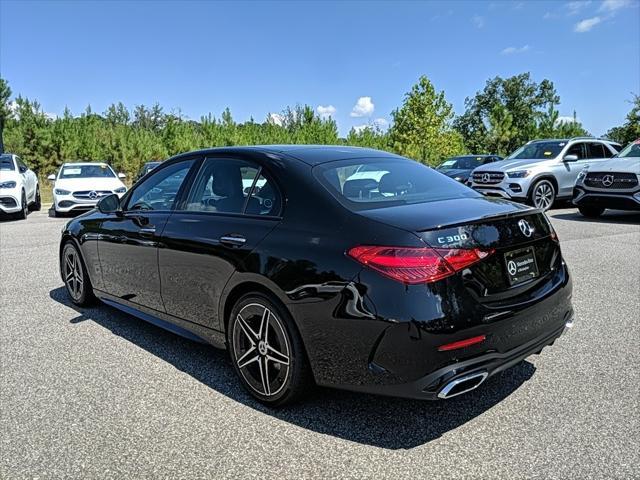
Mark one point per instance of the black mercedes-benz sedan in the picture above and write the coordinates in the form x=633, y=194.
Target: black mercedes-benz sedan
x=339, y=266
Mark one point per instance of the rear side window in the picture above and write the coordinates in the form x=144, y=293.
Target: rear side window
x=387, y=182
x=597, y=150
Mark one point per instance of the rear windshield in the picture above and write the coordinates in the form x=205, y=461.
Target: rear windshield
x=86, y=171
x=538, y=151
x=362, y=184
x=6, y=162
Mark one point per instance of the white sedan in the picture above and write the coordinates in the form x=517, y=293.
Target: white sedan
x=79, y=186
x=19, y=190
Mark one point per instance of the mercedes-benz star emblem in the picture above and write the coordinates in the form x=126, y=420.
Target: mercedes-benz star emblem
x=93, y=195
x=486, y=178
x=607, y=180
x=527, y=230
x=512, y=267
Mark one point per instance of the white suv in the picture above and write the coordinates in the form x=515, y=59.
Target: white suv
x=19, y=189
x=79, y=186
x=542, y=171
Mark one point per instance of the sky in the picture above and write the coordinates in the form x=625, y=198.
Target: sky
x=353, y=61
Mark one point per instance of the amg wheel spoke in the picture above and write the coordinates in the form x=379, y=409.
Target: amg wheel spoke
x=249, y=357
x=264, y=325
x=264, y=375
x=276, y=356
x=248, y=331
x=69, y=264
x=69, y=276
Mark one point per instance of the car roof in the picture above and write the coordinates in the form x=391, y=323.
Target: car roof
x=309, y=154
x=84, y=163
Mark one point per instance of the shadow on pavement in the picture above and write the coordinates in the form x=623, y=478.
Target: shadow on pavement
x=367, y=419
x=609, y=216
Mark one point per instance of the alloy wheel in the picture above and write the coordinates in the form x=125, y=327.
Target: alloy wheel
x=543, y=195
x=261, y=349
x=73, y=275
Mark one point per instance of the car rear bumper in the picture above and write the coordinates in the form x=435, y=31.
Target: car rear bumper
x=617, y=201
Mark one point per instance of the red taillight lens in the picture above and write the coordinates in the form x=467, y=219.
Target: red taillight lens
x=462, y=343
x=417, y=265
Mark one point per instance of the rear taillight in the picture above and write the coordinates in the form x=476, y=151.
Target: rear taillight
x=417, y=265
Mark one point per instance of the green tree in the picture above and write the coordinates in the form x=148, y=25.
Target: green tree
x=501, y=130
x=5, y=110
x=520, y=96
x=422, y=125
x=630, y=130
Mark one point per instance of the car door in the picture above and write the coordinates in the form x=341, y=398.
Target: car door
x=28, y=180
x=568, y=170
x=128, y=240
x=233, y=204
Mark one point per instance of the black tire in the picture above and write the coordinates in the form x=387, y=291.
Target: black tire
x=22, y=214
x=37, y=202
x=591, y=212
x=75, y=276
x=542, y=194
x=256, y=351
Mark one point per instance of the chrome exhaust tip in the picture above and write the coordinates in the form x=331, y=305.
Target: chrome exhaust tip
x=463, y=385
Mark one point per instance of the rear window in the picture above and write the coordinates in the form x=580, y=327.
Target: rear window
x=362, y=184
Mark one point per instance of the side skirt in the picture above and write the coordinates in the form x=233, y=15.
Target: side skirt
x=184, y=328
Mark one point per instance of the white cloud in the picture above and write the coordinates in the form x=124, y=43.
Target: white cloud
x=514, y=50
x=326, y=111
x=478, y=21
x=586, y=24
x=381, y=123
x=575, y=7
x=566, y=119
x=275, y=119
x=613, y=5
x=363, y=108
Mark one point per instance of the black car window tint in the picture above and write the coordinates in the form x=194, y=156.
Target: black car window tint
x=596, y=150
x=159, y=191
x=265, y=199
x=222, y=185
x=576, y=149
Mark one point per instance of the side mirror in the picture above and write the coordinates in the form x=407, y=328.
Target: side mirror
x=52, y=177
x=109, y=204
x=570, y=158
x=122, y=175
x=22, y=169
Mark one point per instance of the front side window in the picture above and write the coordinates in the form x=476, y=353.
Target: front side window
x=576, y=149
x=6, y=163
x=387, y=182
x=100, y=170
x=159, y=191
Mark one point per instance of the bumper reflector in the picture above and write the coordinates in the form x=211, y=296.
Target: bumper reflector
x=462, y=343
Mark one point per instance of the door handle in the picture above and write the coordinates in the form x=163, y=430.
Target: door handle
x=233, y=241
x=147, y=231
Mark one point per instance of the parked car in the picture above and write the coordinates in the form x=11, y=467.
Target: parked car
x=423, y=290
x=460, y=168
x=146, y=168
x=79, y=186
x=542, y=171
x=19, y=188
x=611, y=184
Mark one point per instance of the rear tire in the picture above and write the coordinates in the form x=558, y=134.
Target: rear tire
x=591, y=212
x=542, y=195
x=75, y=276
x=267, y=352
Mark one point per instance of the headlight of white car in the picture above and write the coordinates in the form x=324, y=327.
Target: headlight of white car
x=519, y=174
x=582, y=174
x=11, y=184
x=120, y=190
x=60, y=191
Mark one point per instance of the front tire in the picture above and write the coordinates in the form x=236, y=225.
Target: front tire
x=22, y=214
x=267, y=352
x=74, y=274
x=542, y=195
x=591, y=212
x=37, y=202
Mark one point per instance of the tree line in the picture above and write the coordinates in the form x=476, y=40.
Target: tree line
x=505, y=114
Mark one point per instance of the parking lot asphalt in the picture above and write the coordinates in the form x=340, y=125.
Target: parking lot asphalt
x=96, y=393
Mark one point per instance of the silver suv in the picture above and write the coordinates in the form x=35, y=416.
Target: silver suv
x=542, y=171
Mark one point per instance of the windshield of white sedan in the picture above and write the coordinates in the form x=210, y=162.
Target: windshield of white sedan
x=6, y=162
x=538, y=151
x=375, y=183
x=631, y=150
x=86, y=171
